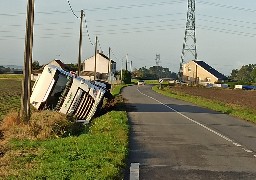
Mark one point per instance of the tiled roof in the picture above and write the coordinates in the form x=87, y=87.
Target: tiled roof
x=211, y=70
x=62, y=65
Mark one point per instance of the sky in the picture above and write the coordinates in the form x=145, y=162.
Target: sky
x=225, y=31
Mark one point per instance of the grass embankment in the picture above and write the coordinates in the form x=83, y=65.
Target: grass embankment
x=231, y=109
x=96, y=152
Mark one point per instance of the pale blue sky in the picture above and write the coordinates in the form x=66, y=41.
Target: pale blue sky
x=226, y=31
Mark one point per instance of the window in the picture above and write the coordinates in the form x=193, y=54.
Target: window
x=59, y=86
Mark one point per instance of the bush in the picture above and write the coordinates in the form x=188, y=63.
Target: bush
x=127, y=77
x=42, y=125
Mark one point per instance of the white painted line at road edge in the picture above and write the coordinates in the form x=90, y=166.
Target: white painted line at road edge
x=135, y=171
x=205, y=127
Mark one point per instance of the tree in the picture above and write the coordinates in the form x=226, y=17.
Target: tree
x=127, y=77
x=72, y=67
x=2, y=69
x=154, y=72
x=234, y=74
x=35, y=65
x=247, y=74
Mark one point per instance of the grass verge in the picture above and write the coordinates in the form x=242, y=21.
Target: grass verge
x=99, y=152
x=231, y=109
x=11, y=76
x=117, y=89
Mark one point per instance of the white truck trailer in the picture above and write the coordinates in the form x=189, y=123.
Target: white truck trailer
x=59, y=90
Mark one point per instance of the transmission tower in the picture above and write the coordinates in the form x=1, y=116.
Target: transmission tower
x=157, y=59
x=189, y=45
x=157, y=65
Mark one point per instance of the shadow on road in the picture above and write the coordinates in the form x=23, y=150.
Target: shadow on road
x=161, y=108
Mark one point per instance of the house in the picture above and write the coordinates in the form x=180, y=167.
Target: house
x=199, y=72
x=56, y=62
x=102, y=67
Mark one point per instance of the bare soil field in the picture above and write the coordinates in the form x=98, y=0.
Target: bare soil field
x=10, y=92
x=242, y=98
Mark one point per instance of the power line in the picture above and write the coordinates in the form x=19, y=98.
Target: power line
x=69, y=35
x=99, y=45
x=72, y=9
x=139, y=17
x=146, y=29
x=87, y=31
x=135, y=6
x=229, y=24
x=140, y=23
x=140, y=30
x=227, y=31
x=98, y=9
x=227, y=6
x=113, y=54
x=228, y=19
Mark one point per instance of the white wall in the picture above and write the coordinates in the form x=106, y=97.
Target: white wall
x=101, y=64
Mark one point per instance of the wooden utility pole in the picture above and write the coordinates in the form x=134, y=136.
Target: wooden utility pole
x=80, y=43
x=26, y=82
x=95, y=61
x=196, y=76
x=121, y=71
x=126, y=62
x=109, y=66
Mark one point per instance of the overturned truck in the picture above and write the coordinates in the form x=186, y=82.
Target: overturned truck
x=59, y=90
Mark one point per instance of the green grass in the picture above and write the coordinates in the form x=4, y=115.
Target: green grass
x=117, y=89
x=151, y=82
x=231, y=109
x=155, y=82
x=98, y=153
x=11, y=76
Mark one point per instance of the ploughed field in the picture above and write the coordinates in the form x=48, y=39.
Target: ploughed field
x=10, y=93
x=242, y=98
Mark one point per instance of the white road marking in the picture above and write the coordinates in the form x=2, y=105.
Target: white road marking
x=247, y=150
x=198, y=123
x=135, y=171
x=236, y=144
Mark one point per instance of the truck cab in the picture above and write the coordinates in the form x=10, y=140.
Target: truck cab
x=62, y=91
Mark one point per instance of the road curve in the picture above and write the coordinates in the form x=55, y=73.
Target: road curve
x=173, y=139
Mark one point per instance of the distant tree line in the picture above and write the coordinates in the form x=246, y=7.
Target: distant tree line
x=4, y=70
x=8, y=70
x=245, y=75
x=68, y=67
x=154, y=72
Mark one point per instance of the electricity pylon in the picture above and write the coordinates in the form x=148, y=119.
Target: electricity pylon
x=157, y=59
x=157, y=65
x=189, y=45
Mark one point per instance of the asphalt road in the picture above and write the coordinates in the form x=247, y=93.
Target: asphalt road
x=172, y=139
